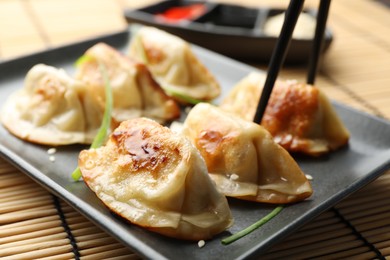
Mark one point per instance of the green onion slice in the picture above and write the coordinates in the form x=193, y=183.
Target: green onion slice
x=180, y=95
x=137, y=41
x=252, y=227
x=103, y=132
x=82, y=59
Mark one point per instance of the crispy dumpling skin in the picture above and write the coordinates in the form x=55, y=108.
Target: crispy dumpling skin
x=157, y=180
x=243, y=159
x=47, y=110
x=299, y=116
x=135, y=92
x=173, y=64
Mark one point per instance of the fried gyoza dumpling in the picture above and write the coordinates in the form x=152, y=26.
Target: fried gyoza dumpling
x=299, y=116
x=174, y=65
x=157, y=180
x=243, y=159
x=47, y=110
x=134, y=91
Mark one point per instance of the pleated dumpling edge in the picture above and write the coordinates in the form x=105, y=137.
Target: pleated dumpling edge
x=243, y=159
x=157, y=180
x=48, y=109
x=174, y=65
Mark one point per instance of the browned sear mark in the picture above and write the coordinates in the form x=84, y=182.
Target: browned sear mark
x=145, y=152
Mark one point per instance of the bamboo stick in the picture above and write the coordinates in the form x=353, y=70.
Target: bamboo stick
x=30, y=232
x=99, y=249
x=66, y=208
x=8, y=170
x=30, y=222
x=39, y=253
x=27, y=214
x=386, y=252
x=131, y=257
x=79, y=225
x=22, y=204
x=356, y=204
x=381, y=184
x=382, y=217
x=354, y=253
x=372, y=225
x=13, y=182
x=15, y=190
x=367, y=212
x=336, y=229
x=96, y=242
x=119, y=253
x=383, y=244
x=10, y=175
x=90, y=237
x=382, y=232
x=320, y=251
x=26, y=194
x=59, y=256
x=291, y=242
x=314, y=250
x=74, y=214
x=75, y=218
x=373, y=189
x=34, y=247
x=320, y=223
x=380, y=241
x=57, y=236
x=87, y=231
x=312, y=244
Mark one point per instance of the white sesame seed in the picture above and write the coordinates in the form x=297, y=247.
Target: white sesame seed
x=51, y=151
x=201, y=243
x=52, y=158
x=309, y=177
x=234, y=177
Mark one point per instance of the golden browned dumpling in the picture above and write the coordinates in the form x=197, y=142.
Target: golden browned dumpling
x=47, y=110
x=135, y=93
x=243, y=159
x=157, y=180
x=299, y=116
x=174, y=65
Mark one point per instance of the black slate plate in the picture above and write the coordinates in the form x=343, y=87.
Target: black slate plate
x=231, y=30
x=335, y=176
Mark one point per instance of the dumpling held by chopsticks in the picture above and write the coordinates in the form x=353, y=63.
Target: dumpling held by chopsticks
x=299, y=116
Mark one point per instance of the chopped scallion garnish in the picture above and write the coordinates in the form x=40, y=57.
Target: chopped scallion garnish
x=252, y=227
x=180, y=95
x=83, y=59
x=137, y=42
x=102, y=134
x=106, y=122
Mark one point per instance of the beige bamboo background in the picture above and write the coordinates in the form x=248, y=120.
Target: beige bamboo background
x=355, y=71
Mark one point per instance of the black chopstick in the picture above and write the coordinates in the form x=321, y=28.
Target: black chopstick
x=278, y=55
x=318, y=41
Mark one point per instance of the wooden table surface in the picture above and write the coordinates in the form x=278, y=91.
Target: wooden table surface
x=354, y=71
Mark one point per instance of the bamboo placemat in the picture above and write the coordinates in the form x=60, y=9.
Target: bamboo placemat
x=35, y=224
x=355, y=71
